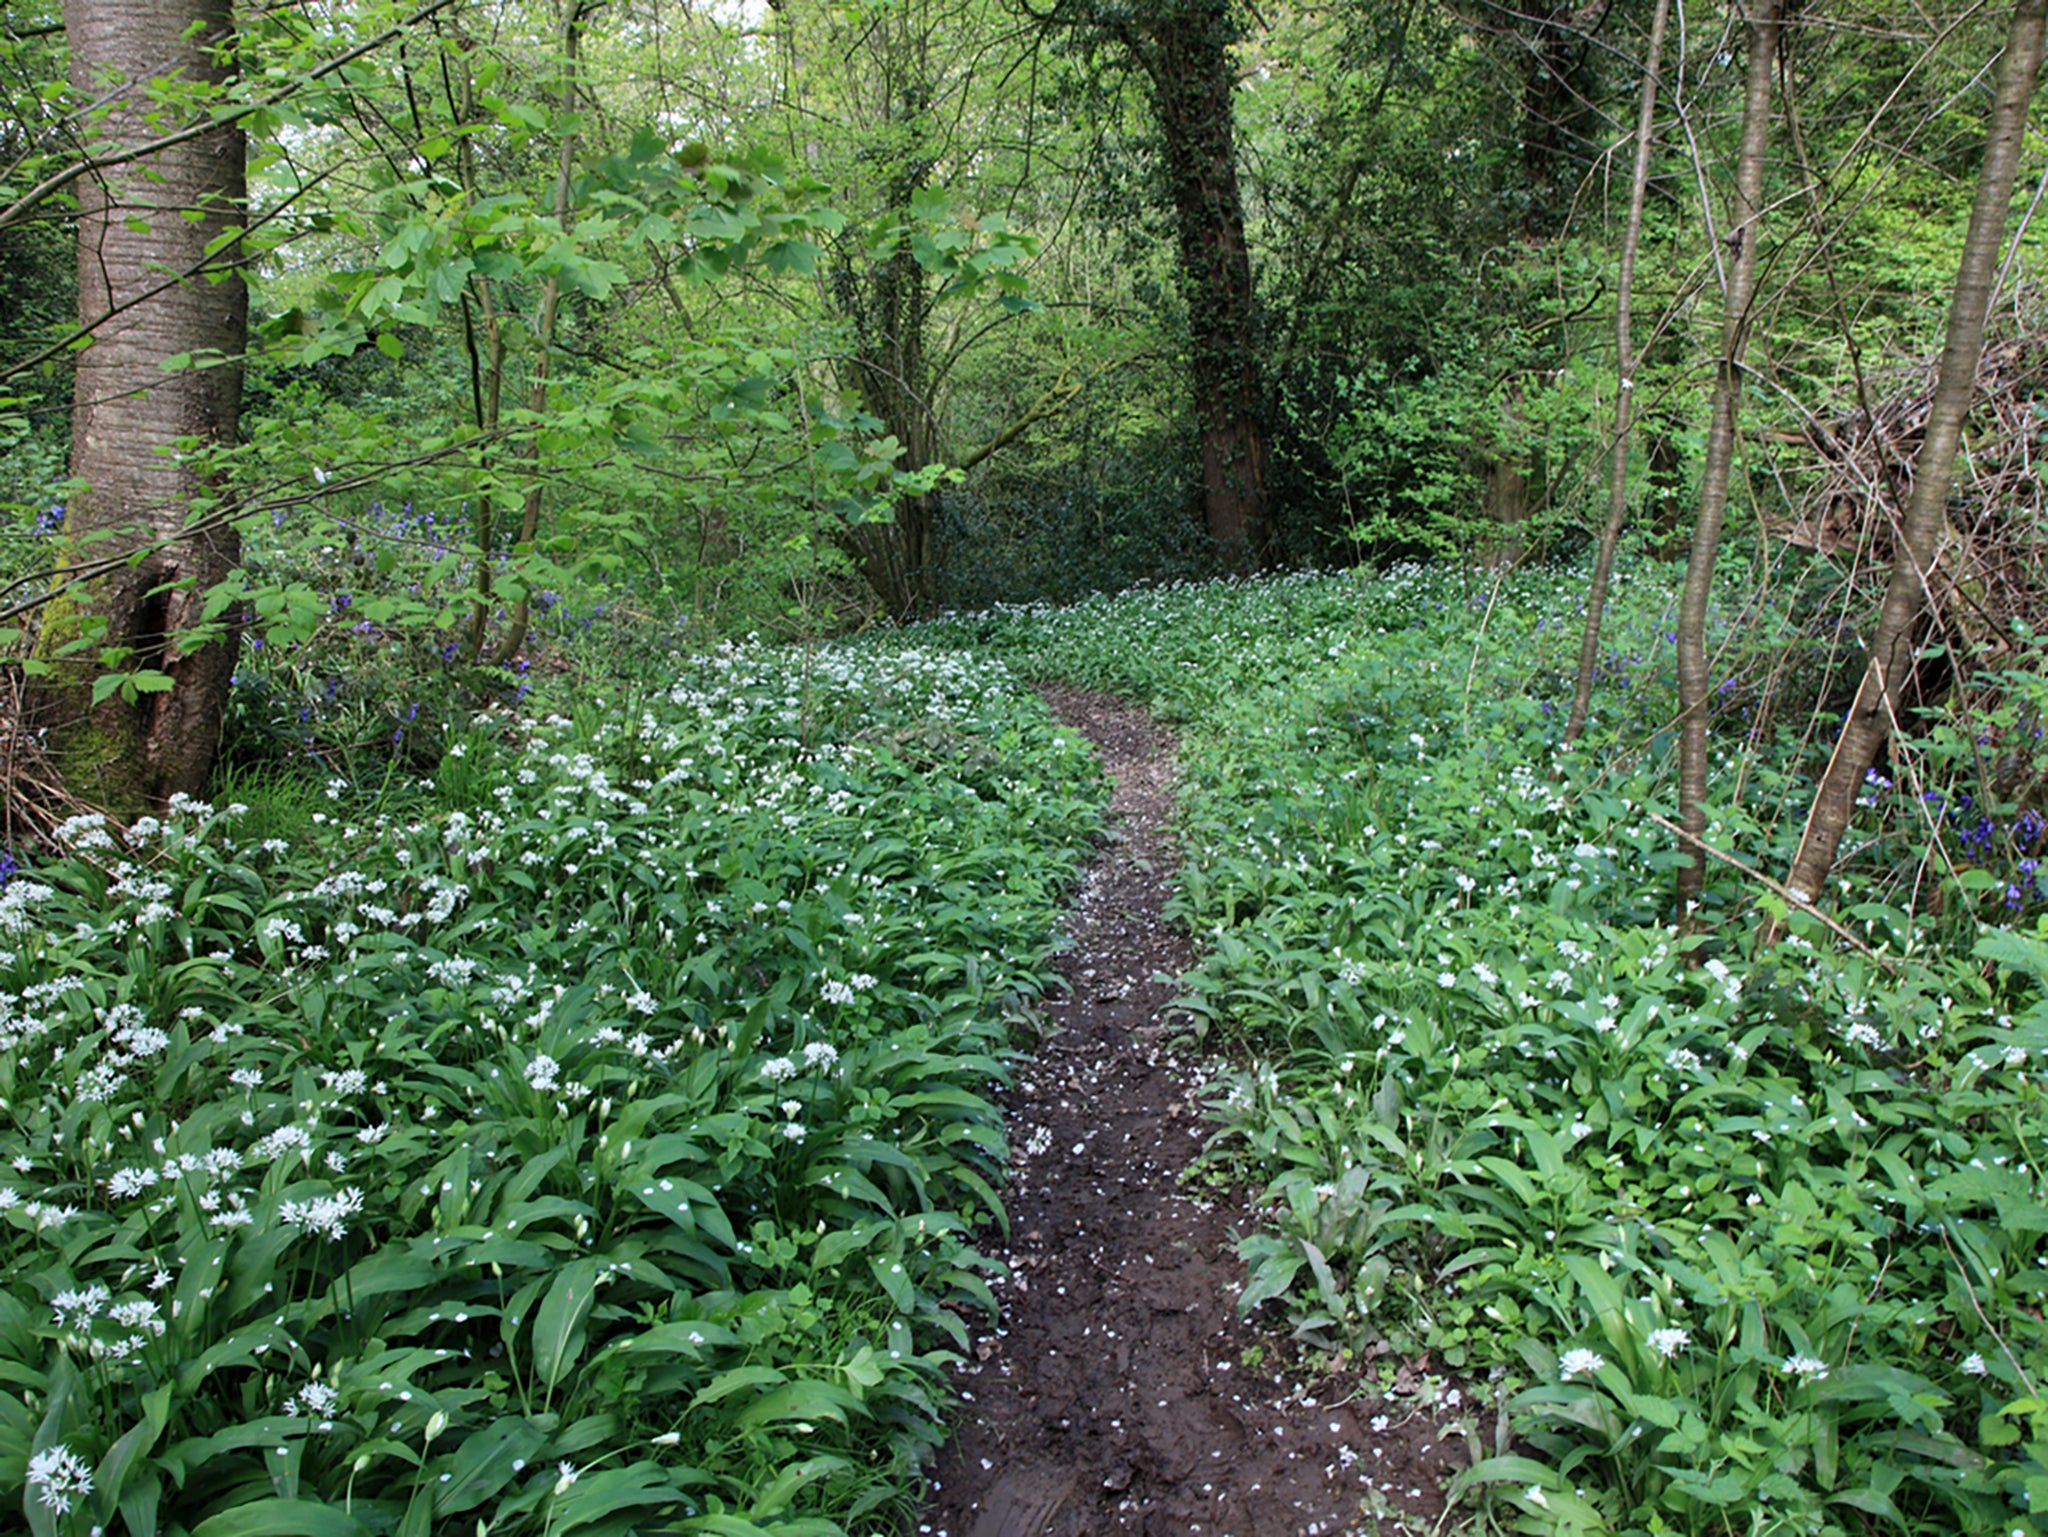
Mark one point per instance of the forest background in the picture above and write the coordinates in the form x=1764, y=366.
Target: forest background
x=384, y=386
x=789, y=319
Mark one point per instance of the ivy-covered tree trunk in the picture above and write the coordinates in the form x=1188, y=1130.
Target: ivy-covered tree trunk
x=154, y=285
x=890, y=309
x=880, y=289
x=1184, y=48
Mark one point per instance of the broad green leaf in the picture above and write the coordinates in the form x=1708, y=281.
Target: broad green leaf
x=282, y=1518
x=558, y=1324
x=737, y=1380
x=485, y=1463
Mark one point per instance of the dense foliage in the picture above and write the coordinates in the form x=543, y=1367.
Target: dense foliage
x=551, y=1082
x=590, y=1131
x=1744, y=1240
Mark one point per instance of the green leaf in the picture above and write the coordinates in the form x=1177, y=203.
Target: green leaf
x=690, y=1337
x=282, y=1518
x=52, y=1431
x=112, y=1474
x=805, y=1400
x=558, y=1328
x=889, y=1274
x=787, y=257
x=1271, y=1278
x=487, y=1461
x=734, y=1381
x=689, y=1205
x=599, y=1495
x=836, y=1245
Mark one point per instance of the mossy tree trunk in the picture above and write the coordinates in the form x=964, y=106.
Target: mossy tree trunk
x=1184, y=49
x=156, y=282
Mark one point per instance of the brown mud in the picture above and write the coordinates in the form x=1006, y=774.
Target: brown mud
x=1121, y=1392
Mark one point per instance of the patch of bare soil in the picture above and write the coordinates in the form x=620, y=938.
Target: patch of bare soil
x=1121, y=1393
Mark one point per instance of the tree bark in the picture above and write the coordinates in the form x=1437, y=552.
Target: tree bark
x=891, y=374
x=1624, y=396
x=521, y=617
x=1504, y=503
x=888, y=301
x=168, y=214
x=1906, y=596
x=1745, y=230
x=1184, y=49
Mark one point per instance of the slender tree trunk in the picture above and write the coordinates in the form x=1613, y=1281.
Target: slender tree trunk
x=544, y=346
x=1906, y=595
x=168, y=214
x=1624, y=396
x=1185, y=51
x=486, y=383
x=1744, y=232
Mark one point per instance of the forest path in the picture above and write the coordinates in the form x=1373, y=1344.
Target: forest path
x=1121, y=1393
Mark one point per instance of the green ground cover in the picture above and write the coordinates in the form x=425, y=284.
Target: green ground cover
x=1743, y=1242
x=590, y=1134
x=582, y=1120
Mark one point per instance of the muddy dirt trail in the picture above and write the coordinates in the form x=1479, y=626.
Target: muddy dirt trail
x=1121, y=1393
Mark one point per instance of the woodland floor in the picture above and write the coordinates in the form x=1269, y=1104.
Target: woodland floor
x=1121, y=1392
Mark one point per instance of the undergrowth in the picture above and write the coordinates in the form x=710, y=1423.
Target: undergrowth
x=585, y=1138
x=1745, y=1240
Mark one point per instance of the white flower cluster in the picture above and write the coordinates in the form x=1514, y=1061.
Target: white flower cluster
x=326, y=1215
x=58, y=1476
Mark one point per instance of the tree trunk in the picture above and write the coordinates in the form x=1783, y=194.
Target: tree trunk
x=889, y=299
x=151, y=289
x=521, y=617
x=1624, y=395
x=1664, y=484
x=1185, y=51
x=1745, y=230
x=891, y=375
x=1906, y=596
x=1504, y=508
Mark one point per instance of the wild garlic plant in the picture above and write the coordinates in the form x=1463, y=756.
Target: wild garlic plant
x=594, y=1141
x=1743, y=1241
